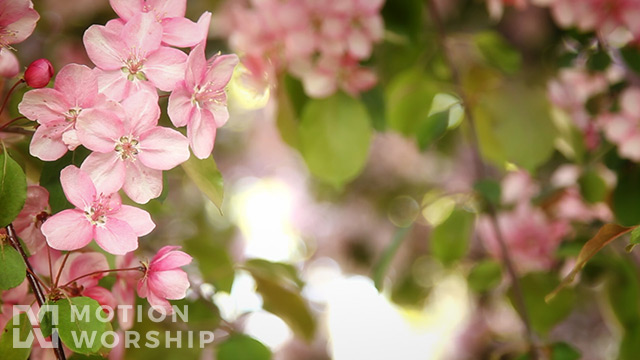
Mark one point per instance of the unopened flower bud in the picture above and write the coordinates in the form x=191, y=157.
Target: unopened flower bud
x=38, y=73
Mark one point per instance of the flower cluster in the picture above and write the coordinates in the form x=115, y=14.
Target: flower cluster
x=321, y=42
x=113, y=111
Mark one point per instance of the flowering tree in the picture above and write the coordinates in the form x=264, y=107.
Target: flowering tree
x=489, y=145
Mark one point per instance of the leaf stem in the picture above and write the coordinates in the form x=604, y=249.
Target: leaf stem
x=480, y=169
x=6, y=98
x=64, y=261
x=138, y=268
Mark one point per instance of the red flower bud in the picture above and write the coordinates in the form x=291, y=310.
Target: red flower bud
x=38, y=73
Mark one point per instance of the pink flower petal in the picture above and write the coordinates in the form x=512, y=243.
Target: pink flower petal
x=44, y=105
x=168, y=8
x=221, y=70
x=68, y=230
x=172, y=260
x=196, y=67
x=79, y=85
x=105, y=48
x=127, y=9
x=103, y=296
x=158, y=303
x=46, y=143
x=23, y=27
x=201, y=132
x=77, y=187
x=9, y=66
x=106, y=170
x=142, y=112
x=163, y=149
x=165, y=68
x=142, y=183
x=181, y=32
x=180, y=108
x=139, y=220
x=170, y=284
x=116, y=237
x=79, y=264
x=142, y=34
x=99, y=130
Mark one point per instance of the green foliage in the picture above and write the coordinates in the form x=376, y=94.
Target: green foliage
x=280, y=288
x=77, y=318
x=380, y=268
x=514, y=125
x=564, y=351
x=626, y=195
x=242, y=347
x=599, y=61
x=7, y=349
x=205, y=174
x=544, y=316
x=13, y=189
x=485, y=276
x=489, y=190
x=404, y=17
x=446, y=112
x=634, y=239
x=374, y=101
x=407, y=98
x=449, y=241
x=592, y=187
x=631, y=56
x=13, y=268
x=498, y=52
x=335, y=134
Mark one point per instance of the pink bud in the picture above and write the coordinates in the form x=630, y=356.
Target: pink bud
x=38, y=73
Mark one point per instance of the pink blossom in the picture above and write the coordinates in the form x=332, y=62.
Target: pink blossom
x=599, y=15
x=35, y=211
x=38, y=73
x=131, y=151
x=328, y=74
x=530, y=236
x=124, y=289
x=176, y=29
x=18, y=295
x=130, y=57
x=164, y=280
x=518, y=187
x=623, y=128
x=78, y=265
x=98, y=215
x=57, y=109
x=200, y=101
x=17, y=21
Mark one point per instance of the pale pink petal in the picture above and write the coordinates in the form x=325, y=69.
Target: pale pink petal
x=172, y=260
x=168, y=8
x=180, y=108
x=23, y=27
x=219, y=110
x=196, y=67
x=77, y=187
x=99, y=130
x=127, y=9
x=9, y=66
x=164, y=251
x=158, y=303
x=70, y=139
x=113, y=84
x=79, y=264
x=165, y=68
x=68, y=230
x=46, y=143
x=201, y=132
x=79, y=85
x=103, y=296
x=359, y=44
x=142, y=112
x=139, y=220
x=319, y=84
x=221, y=70
x=170, y=284
x=142, y=33
x=142, y=183
x=630, y=148
x=181, y=32
x=163, y=149
x=106, y=170
x=105, y=48
x=143, y=288
x=116, y=237
x=44, y=105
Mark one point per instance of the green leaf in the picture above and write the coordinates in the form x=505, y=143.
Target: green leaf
x=403, y=17
x=449, y=241
x=484, y=276
x=498, y=52
x=432, y=129
x=634, y=239
x=631, y=56
x=512, y=122
x=280, y=289
x=626, y=195
x=242, y=347
x=13, y=268
x=7, y=348
x=599, y=61
x=79, y=327
x=444, y=102
x=380, y=268
x=407, y=96
x=605, y=235
x=205, y=174
x=335, y=134
x=374, y=101
x=544, y=316
x=13, y=189
x=489, y=190
x=592, y=187
x=289, y=111
x=214, y=261
x=564, y=351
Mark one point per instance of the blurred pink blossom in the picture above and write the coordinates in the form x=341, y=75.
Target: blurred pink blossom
x=17, y=22
x=623, y=128
x=35, y=211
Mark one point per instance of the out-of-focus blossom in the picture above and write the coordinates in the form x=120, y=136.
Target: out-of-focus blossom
x=124, y=290
x=176, y=29
x=56, y=110
x=17, y=21
x=570, y=205
x=623, y=128
x=131, y=151
x=518, y=187
x=200, y=101
x=98, y=215
x=164, y=279
x=38, y=73
x=78, y=265
x=19, y=295
x=35, y=211
x=130, y=58
x=530, y=236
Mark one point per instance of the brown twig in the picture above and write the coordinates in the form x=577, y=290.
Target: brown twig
x=481, y=172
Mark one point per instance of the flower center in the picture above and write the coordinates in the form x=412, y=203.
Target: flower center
x=127, y=148
x=207, y=94
x=97, y=212
x=133, y=66
x=72, y=114
x=6, y=37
